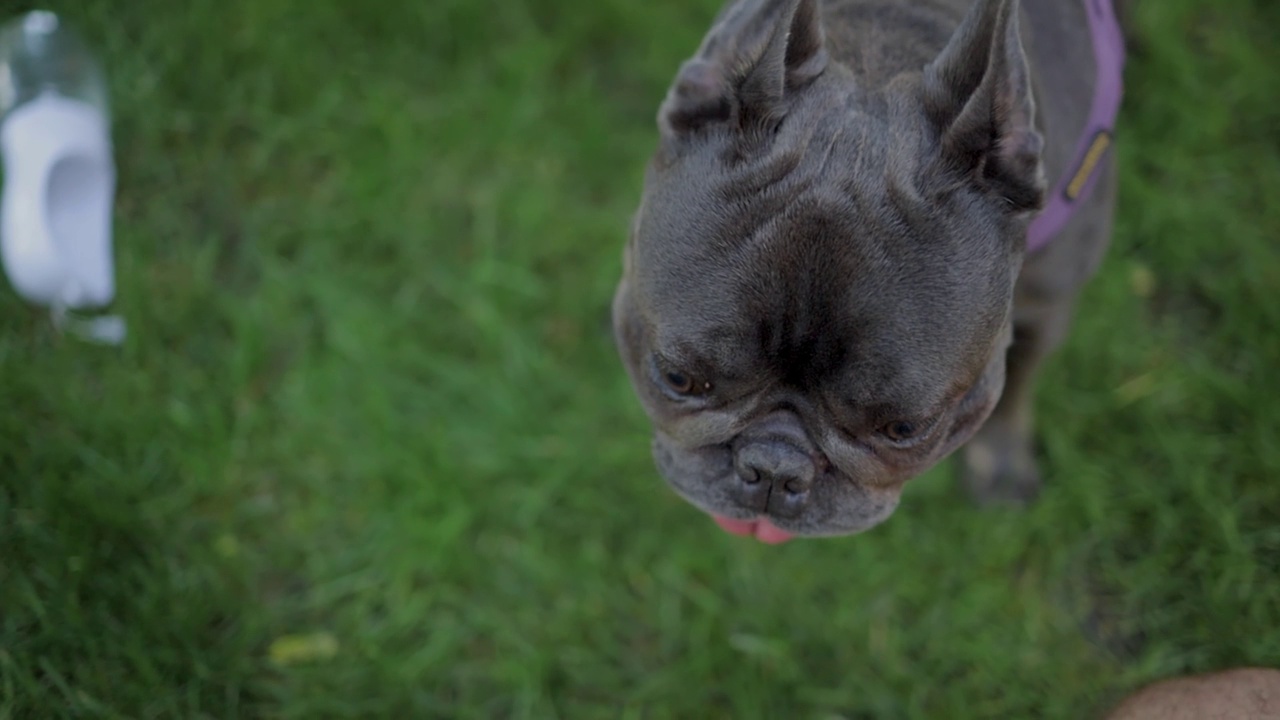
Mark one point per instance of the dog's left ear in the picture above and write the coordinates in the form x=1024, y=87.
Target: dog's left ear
x=977, y=93
x=756, y=55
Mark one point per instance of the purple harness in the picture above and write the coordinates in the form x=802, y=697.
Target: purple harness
x=1075, y=186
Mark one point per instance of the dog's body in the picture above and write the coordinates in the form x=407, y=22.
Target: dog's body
x=828, y=270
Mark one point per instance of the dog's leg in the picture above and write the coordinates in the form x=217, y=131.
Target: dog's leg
x=998, y=465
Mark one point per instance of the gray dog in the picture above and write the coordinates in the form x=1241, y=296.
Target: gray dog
x=863, y=229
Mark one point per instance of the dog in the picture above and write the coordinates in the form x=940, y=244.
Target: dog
x=1246, y=693
x=863, y=229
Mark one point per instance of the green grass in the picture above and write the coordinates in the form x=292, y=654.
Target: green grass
x=369, y=398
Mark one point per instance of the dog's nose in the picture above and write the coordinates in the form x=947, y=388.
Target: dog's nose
x=773, y=475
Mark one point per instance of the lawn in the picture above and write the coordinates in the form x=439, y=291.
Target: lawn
x=368, y=451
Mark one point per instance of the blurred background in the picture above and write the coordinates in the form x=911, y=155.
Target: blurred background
x=368, y=450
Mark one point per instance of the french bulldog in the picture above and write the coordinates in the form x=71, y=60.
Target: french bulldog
x=827, y=289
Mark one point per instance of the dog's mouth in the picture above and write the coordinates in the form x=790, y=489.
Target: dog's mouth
x=759, y=528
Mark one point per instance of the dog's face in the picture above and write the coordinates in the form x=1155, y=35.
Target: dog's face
x=815, y=305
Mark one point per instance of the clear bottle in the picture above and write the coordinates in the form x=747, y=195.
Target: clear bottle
x=59, y=174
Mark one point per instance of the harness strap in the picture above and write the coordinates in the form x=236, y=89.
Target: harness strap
x=1108, y=88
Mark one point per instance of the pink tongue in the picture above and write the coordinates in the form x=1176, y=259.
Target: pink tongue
x=762, y=529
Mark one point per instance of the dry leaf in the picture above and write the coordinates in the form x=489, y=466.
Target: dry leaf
x=295, y=649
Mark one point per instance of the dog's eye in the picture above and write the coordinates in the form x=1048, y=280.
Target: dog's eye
x=682, y=383
x=679, y=382
x=674, y=380
x=900, y=430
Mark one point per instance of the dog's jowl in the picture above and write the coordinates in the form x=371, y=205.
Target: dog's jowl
x=863, y=228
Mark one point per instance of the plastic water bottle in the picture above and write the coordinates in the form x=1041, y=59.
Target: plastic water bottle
x=59, y=175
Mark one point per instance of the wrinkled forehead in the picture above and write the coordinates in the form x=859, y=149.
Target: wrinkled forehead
x=820, y=288
x=823, y=243
x=707, y=200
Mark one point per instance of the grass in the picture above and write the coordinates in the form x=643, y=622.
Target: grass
x=369, y=453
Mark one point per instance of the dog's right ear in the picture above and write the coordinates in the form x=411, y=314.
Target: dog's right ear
x=757, y=53
x=978, y=94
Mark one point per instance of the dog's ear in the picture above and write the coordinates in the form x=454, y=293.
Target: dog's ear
x=756, y=54
x=977, y=94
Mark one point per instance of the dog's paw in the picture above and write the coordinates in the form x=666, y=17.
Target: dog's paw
x=999, y=470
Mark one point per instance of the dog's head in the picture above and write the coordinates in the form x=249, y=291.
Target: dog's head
x=816, y=299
